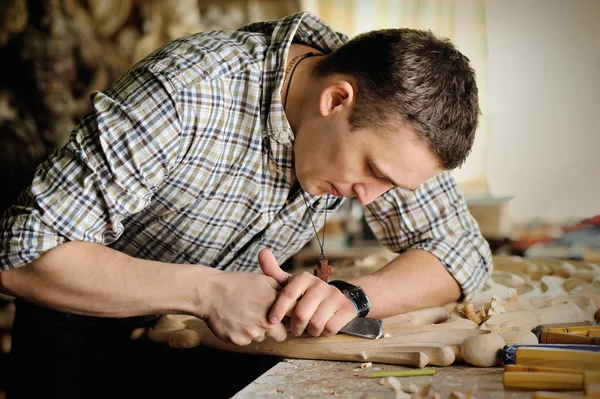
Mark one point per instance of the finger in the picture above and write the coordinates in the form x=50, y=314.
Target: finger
x=325, y=311
x=270, y=267
x=278, y=332
x=259, y=338
x=336, y=322
x=286, y=300
x=305, y=311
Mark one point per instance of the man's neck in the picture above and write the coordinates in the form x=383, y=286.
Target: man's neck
x=295, y=87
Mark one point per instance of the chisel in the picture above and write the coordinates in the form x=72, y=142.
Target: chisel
x=576, y=357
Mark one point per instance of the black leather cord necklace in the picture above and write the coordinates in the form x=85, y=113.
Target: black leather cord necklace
x=288, y=75
x=323, y=270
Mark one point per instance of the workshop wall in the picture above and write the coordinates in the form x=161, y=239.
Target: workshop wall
x=535, y=155
x=56, y=52
x=544, y=101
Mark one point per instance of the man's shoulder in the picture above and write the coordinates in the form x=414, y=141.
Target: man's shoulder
x=206, y=55
x=211, y=55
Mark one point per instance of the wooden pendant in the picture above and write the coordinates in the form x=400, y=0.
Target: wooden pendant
x=323, y=270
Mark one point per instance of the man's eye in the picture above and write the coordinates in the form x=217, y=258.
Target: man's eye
x=372, y=173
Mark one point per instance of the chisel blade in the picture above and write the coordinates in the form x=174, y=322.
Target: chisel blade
x=364, y=327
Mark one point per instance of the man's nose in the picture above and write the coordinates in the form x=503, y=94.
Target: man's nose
x=369, y=192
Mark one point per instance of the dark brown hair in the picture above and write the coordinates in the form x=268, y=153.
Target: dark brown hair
x=408, y=75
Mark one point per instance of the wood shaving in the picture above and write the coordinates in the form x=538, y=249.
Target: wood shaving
x=428, y=390
x=387, y=335
x=397, y=386
x=366, y=365
x=468, y=310
x=394, y=383
x=496, y=306
x=411, y=388
x=471, y=391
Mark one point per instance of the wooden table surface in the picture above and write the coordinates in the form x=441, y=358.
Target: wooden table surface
x=308, y=378
x=303, y=378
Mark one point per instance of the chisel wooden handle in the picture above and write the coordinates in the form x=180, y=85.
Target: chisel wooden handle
x=553, y=355
x=543, y=380
x=575, y=330
x=551, y=337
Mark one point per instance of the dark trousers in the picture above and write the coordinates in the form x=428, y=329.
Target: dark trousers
x=61, y=355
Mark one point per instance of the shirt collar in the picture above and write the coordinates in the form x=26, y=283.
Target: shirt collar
x=302, y=27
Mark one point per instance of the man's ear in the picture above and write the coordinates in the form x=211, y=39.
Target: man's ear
x=336, y=97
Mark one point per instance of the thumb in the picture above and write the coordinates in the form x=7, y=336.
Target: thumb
x=270, y=267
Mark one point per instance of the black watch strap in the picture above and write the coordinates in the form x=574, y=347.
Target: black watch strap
x=361, y=302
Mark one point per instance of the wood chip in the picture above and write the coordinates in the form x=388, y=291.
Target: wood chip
x=411, y=388
x=397, y=386
x=366, y=365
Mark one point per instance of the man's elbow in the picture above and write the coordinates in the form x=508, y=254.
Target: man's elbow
x=9, y=280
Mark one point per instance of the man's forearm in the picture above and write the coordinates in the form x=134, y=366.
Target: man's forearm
x=91, y=279
x=414, y=280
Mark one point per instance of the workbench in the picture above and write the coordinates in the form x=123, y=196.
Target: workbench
x=300, y=378
x=454, y=340
x=309, y=378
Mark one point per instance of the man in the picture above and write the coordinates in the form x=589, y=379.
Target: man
x=224, y=151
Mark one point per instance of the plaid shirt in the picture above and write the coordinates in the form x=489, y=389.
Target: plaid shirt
x=187, y=159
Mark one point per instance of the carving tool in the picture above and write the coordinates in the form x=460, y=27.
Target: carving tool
x=551, y=337
x=364, y=327
x=557, y=395
x=585, y=323
x=570, y=329
x=578, y=357
x=549, y=381
x=548, y=378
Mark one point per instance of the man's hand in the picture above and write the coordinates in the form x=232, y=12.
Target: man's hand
x=314, y=305
x=241, y=306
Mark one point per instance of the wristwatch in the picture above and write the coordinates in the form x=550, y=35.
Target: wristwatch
x=356, y=295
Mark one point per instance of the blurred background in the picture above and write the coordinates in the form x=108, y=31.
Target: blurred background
x=532, y=180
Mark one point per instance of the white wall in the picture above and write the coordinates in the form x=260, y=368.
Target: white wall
x=544, y=106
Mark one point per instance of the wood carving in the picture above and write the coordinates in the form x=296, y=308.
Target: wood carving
x=483, y=350
x=425, y=316
x=470, y=332
x=415, y=349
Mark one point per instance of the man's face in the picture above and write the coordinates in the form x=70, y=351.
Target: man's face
x=330, y=158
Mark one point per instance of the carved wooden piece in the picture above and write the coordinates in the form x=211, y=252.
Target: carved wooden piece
x=414, y=349
x=527, y=320
x=436, y=336
x=483, y=350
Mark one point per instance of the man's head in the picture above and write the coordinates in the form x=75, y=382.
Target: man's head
x=389, y=108
x=405, y=75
